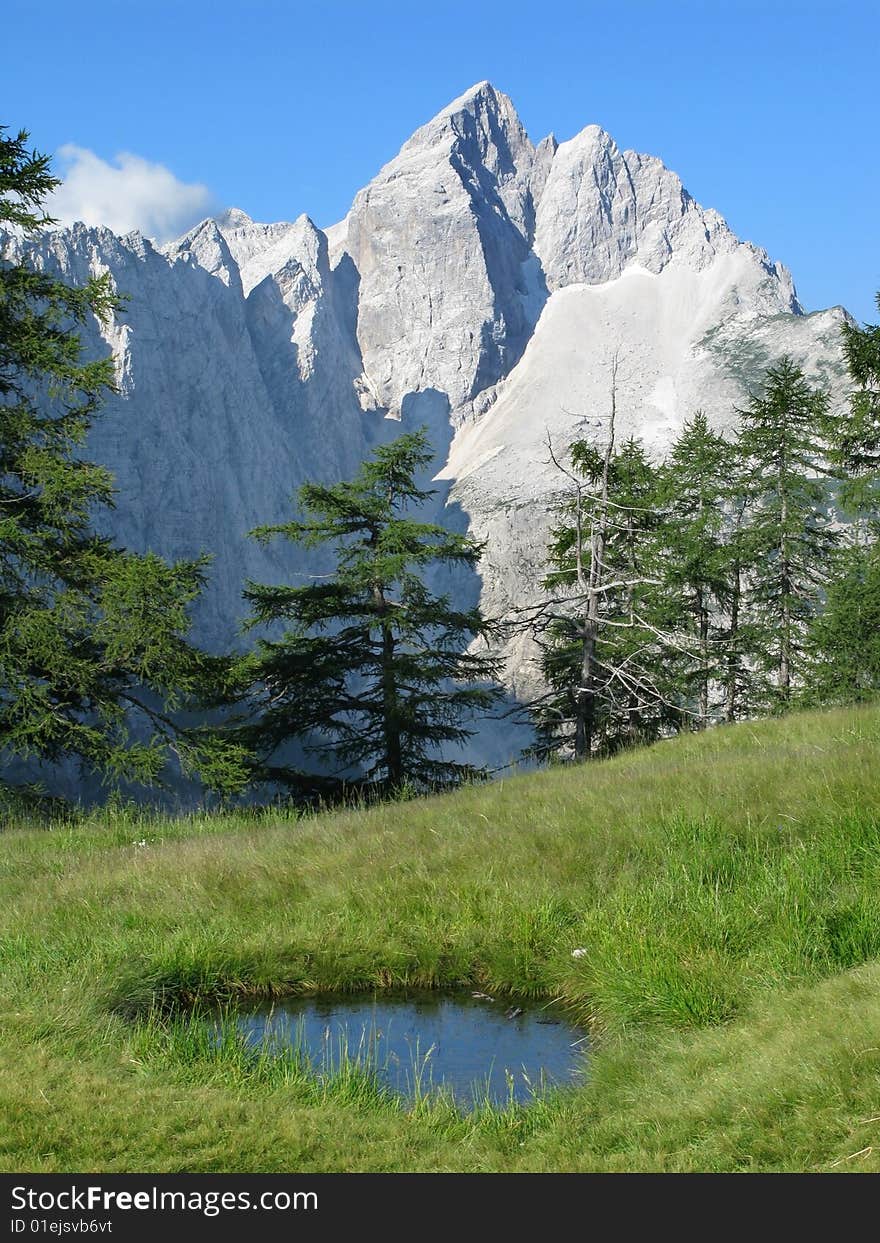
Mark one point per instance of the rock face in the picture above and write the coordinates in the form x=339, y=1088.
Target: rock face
x=441, y=239
x=479, y=284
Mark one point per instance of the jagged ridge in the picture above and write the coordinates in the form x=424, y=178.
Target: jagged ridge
x=478, y=284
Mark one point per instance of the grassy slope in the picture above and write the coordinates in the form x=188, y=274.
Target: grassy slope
x=725, y=888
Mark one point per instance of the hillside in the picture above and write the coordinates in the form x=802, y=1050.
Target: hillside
x=724, y=888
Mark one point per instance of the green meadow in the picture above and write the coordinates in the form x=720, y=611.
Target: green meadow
x=724, y=887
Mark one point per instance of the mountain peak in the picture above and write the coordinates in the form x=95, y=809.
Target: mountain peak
x=481, y=106
x=233, y=218
x=479, y=286
x=480, y=93
x=482, y=100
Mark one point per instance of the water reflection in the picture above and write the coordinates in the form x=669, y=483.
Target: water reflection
x=473, y=1046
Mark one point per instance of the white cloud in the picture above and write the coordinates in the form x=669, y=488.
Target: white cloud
x=129, y=194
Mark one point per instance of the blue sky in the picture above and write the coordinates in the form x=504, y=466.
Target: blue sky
x=768, y=111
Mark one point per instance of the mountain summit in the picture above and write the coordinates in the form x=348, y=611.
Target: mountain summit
x=480, y=285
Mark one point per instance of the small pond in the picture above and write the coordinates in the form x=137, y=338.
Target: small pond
x=473, y=1046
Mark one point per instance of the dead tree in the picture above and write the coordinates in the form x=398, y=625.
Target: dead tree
x=600, y=647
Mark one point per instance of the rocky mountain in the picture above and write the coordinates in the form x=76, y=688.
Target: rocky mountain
x=480, y=285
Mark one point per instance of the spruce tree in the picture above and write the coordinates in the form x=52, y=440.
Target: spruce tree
x=94, y=654
x=372, y=674
x=788, y=536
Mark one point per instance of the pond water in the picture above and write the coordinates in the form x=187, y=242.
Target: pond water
x=475, y=1047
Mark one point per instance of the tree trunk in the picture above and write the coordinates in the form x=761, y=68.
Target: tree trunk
x=633, y=716
x=733, y=650
x=393, y=757
x=586, y=697
x=703, y=615
x=785, y=583
x=393, y=751
x=785, y=655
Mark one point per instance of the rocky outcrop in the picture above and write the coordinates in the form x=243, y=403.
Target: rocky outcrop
x=441, y=240
x=479, y=284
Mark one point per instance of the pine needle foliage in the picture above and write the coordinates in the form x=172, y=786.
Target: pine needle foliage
x=856, y=447
x=604, y=651
x=700, y=485
x=94, y=654
x=843, y=642
x=789, y=534
x=373, y=672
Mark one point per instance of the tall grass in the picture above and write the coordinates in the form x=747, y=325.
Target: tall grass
x=212, y=1048
x=707, y=884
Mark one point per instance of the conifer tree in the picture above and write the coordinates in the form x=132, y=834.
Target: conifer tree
x=93, y=639
x=736, y=634
x=698, y=483
x=639, y=647
x=600, y=627
x=844, y=640
x=371, y=673
x=855, y=438
x=788, y=536
x=568, y=625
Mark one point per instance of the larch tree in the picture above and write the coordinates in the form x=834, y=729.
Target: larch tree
x=701, y=578
x=789, y=534
x=736, y=633
x=374, y=674
x=599, y=626
x=844, y=639
x=855, y=437
x=94, y=650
